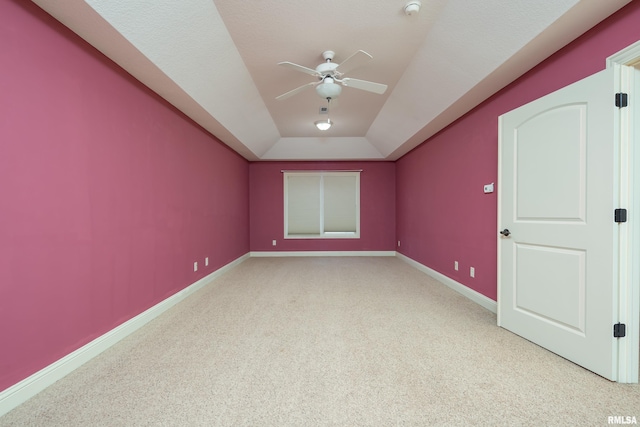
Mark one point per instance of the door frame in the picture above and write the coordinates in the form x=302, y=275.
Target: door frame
x=626, y=66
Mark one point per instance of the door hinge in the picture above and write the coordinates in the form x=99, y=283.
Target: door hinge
x=620, y=215
x=619, y=330
x=621, y=100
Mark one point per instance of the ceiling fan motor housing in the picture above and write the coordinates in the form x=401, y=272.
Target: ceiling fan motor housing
x=327, y=68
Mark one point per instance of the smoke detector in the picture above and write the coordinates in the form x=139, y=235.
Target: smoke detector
x=412, y=7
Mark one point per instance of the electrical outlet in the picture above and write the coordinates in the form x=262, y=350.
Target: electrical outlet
x=195, y=266
x=398, y=243
x=455, y=265
x=273, y=243
x=206, y=261
x=472, y=272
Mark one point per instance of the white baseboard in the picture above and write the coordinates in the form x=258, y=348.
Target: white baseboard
x=474, y=296
x=29, y=387
x=320, y=253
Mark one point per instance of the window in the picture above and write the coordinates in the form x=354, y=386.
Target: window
x=321, y=205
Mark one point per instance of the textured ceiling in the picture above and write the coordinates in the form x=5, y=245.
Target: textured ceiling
x=217, y=62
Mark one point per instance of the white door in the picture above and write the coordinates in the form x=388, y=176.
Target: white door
x=557, y=282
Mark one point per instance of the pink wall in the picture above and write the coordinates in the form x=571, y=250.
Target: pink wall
x=442, y=213
x=377, y=207
x=107, y=195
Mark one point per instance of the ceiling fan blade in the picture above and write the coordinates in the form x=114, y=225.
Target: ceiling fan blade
x=378, y=88
x=354, y=61
x=299, y=68
x=295, y=91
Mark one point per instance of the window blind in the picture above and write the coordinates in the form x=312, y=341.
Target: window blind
x=303, y=204
x=339, y=204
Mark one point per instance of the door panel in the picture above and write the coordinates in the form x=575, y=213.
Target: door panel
x=555, y=293
x=556, y=196
x=556, y=138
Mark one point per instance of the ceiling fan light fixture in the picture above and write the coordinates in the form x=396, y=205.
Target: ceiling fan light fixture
x=328, y=89
x=323, y=124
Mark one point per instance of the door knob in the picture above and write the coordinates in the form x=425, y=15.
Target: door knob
x=505, y=232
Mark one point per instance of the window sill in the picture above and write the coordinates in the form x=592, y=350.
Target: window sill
x=334, y=235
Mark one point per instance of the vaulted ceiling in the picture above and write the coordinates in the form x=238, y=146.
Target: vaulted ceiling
x=217, y=61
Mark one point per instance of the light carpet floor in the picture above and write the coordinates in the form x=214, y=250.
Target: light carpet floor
x=327, y=342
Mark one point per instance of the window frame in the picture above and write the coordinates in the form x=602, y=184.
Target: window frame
x=323, y=234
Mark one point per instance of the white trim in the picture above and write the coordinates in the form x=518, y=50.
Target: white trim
x=322, y=234
x=34, y=384
x=499, y=283
x=630, y=55
x=627, y=81
x=319, y=171
x=261, y=254
x=474, y=296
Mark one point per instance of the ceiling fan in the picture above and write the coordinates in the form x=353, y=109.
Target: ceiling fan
x=330, y=76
